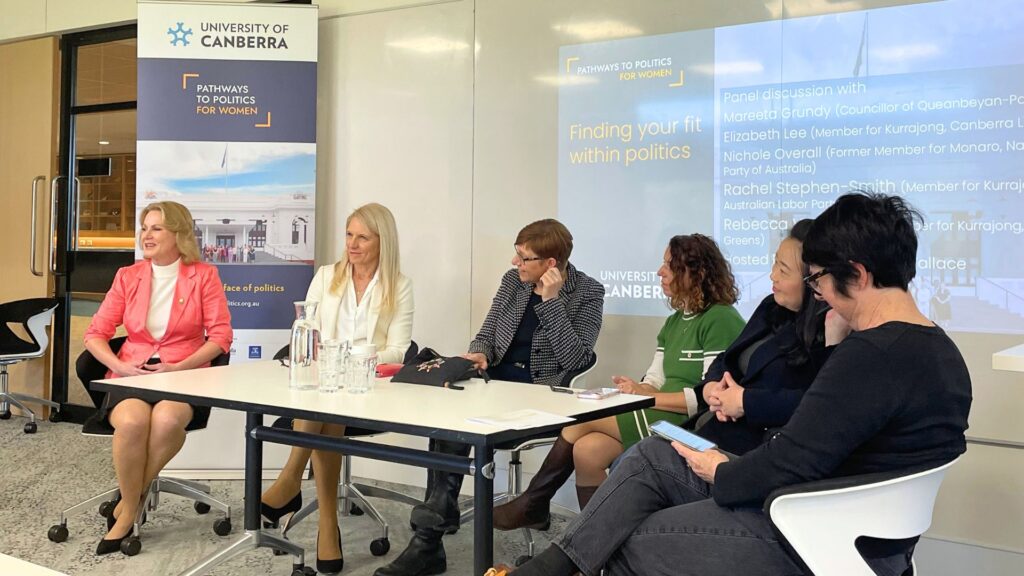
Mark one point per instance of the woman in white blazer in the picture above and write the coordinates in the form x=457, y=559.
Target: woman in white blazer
x=364, y=298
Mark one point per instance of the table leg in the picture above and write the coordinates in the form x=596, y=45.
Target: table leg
x=253, y=537
x=483, y=506
x=253, y=471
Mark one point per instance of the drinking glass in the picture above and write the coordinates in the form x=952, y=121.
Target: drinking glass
x=330, y=355
x=361, y=370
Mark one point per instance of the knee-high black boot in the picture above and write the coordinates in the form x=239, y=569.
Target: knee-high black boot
x=436, y=516
x=440, y=508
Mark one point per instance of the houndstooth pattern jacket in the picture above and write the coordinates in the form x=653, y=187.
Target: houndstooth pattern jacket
x=569, y=324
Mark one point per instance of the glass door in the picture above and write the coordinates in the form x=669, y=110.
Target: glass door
x=96, y=225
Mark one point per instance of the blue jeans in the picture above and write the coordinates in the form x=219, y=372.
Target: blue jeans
x=653, y=515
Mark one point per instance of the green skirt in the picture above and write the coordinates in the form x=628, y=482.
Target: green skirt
x=633, y=426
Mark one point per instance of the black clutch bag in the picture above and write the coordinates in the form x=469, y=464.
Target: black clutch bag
x=430, y=368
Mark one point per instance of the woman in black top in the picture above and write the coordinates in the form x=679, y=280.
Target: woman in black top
x=894, y=396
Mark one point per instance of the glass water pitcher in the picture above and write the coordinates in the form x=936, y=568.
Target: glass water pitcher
x=302, y=351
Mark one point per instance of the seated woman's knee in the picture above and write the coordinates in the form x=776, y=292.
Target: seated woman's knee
x=130, y=416
x=657, y=450
x=170, y=418
x=595, y=451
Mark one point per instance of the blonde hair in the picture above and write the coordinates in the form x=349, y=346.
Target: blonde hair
x=381, y=222
x=179, y=220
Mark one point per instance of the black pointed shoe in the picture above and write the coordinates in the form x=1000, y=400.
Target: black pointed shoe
x=330, y=566
x=273, y=515
x=109, y=546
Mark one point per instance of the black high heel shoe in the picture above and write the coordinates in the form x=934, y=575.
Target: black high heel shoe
x=108, y=546
x=330, y=566
x=273, y=515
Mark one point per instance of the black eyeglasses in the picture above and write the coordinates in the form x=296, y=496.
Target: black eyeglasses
x=525, y=259
x=812, y=280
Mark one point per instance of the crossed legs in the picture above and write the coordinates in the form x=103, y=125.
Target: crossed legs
x=596, y=445
x=145, y=439
x=326, y=472
x=289, y=481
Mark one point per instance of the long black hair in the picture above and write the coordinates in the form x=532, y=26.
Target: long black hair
x=809, y=322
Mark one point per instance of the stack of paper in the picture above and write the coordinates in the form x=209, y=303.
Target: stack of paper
x=522, y=419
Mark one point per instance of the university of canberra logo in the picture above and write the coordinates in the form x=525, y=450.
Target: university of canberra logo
x=255, y=351
x=179, y=34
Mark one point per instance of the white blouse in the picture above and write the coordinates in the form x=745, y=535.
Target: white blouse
x=351, y=324
x=161, y=297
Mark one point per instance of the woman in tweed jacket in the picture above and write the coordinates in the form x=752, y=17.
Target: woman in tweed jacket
x=543, y=322
x=569, y=321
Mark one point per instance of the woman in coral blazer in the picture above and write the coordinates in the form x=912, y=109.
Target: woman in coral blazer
x=176, y=315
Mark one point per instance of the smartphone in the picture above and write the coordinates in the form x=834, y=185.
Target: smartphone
x=597, y=393
x=670, y=431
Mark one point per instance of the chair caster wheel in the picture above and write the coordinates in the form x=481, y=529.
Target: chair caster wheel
x=54, y=416
x=107, y=508
x=5, y=415
x=355, y=510
x=523, y=560
x=131, y=546
x=268, y=525
x=201, y=507
x=57, y=533
x=222, y=527
x=380, y=546
x=30, y=428
x=280, y=553
x=304, y=571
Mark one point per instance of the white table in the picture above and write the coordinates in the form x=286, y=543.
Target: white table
x=11, y=565
x=1011, y=359
x=259, y=388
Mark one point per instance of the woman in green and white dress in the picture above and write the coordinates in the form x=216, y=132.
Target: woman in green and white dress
x=701, y=288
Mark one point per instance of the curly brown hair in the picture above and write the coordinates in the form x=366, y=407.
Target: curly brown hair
x=711, y=279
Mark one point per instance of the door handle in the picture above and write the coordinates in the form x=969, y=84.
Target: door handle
x=75, y=206
x=34, y=224
x=53, y=223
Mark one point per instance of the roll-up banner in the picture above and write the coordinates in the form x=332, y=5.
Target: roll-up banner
x=227, y=127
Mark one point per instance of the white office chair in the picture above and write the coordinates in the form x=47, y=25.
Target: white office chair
x=35, y=315
x=573, y=379
x=819, y=522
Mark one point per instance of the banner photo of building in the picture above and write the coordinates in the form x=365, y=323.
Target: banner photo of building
x=227, y=127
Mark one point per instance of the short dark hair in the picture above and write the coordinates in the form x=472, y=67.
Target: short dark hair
x=711, y=278
x=875, y=230
x=548, y=239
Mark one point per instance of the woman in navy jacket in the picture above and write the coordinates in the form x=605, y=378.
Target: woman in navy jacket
x=756, y=384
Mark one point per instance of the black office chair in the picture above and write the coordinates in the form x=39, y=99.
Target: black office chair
x=572, y=379
x=35, y=315
x=352, y=496
x=89, y=369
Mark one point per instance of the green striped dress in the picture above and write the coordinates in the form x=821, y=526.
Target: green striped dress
x=686, y=340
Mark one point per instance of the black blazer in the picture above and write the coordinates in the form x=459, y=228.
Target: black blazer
x=772, y=388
